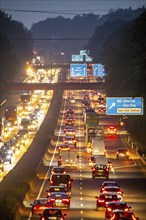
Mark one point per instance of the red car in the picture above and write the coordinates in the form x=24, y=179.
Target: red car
x=40, y=205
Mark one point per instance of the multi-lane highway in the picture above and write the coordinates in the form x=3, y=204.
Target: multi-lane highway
x=128, y=173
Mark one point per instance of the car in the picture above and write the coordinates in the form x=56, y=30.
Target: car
x=111, y=129
x=70, y=131
x=104, y=199
x=60, y=199
x=58, y=170
x=66, y=127
x=111, y=206
x=70, y=140
x=114, y=189
x=86, y=96
x=60, y=179
x=86, y=103
x=122, y=153
x=108, y=183
x=52, y=213
x=99, y=101
x=69, y=121
x=63, y=147
x=123, y=215
x=1, y=165
x=39, y=205
x=69, y=112
x=100, y=170
x=71, y=100
x=101, y=108
x=5, y=156
x=55, y=189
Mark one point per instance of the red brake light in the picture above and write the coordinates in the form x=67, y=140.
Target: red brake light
x=52, y=200
x=126, y=209
x=65, y=200
x=109, y=209
x=101, y=200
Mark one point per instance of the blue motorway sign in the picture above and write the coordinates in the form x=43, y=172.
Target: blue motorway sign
x=78, y=70
x=98, y=70
x=77, y=58
x=124, y=106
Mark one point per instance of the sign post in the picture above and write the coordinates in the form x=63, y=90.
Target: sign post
x=124, y=106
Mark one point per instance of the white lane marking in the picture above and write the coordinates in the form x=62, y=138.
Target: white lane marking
x=47, y=173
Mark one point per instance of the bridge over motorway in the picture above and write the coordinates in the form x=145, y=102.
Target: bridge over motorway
x=56, y=86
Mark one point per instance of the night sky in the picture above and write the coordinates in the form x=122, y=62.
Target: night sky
x=32, y=11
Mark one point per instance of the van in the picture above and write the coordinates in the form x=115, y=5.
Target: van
x=60, y=179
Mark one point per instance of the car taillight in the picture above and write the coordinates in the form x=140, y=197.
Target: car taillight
x=101, y=200
x=104, y=191
x=48, y=193
x=119, y=192
x=65, y=200
x=64, y=172
x=52, y=200
x=127, y=153
x=109, y=209
x=51, y=182
x=93, y=169
x=61, y=218
x=69, y=182
x=126, y=209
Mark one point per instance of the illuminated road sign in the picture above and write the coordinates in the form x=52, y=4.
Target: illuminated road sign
x=98, y=70
x=124, y=106
x=78, y=70
x=77, y=58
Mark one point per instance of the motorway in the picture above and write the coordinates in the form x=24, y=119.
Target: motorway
x=127, y=173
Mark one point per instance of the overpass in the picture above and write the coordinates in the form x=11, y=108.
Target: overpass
x=56, y=86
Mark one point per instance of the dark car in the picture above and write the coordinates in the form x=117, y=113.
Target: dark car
x=58, y=170
x=112, y=206
x=55, y=189
x=122, y=153
x=60, y=179
x=5, y=156
x=70, y=112
x=52, y=213
x=104, y=199
x=100, y=170
x=60, y=199
x=123, y=215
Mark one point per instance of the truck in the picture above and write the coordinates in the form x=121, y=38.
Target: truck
x=98, y=147
x=91, y=118
x=11, y=114
x=93, y=132
x=68, y=158
x=25, y=96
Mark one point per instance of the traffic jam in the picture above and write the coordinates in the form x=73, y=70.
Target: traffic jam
x=80, y=136
x=20, y=120
x=75, y=142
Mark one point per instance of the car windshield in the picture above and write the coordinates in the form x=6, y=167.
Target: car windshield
x=57, y=179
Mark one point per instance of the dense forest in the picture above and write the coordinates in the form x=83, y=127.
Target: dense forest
x=71, y=35
x=122, y=49
x=15, y=47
